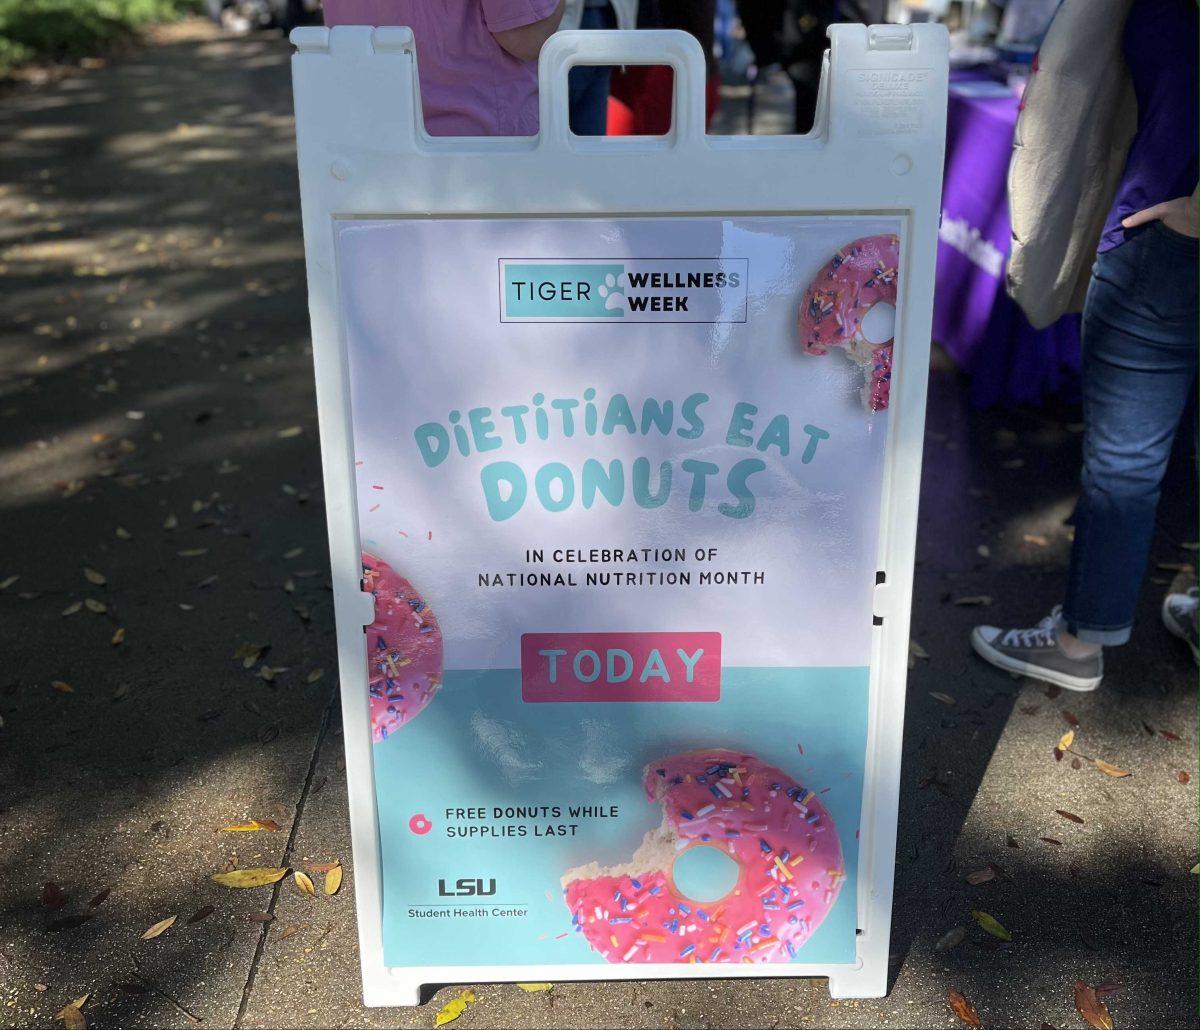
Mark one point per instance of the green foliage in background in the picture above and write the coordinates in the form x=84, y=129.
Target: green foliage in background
x=66, y=30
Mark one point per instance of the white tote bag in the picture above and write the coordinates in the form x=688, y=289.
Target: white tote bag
x=1078, y=117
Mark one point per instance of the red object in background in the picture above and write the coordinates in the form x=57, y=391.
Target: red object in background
x=639, y=102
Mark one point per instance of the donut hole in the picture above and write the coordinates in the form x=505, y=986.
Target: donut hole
x=704, y=873
x=879, y=323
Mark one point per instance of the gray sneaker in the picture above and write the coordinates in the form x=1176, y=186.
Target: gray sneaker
x=1035, y=652
x=1179, y=616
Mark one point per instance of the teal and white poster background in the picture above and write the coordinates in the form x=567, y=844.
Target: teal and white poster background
x=435, y=356
x=479, y=745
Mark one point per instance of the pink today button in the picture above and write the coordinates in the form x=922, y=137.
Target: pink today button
x=620, y=667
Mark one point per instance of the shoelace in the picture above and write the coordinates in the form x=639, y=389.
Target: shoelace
x=1041, y=635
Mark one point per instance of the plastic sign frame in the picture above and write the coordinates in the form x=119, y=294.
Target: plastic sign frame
x=876, y=149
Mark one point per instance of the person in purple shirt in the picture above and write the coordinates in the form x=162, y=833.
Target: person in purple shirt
x=1139, y=368
x=475, y=58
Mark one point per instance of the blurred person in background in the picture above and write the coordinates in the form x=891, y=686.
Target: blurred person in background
x=642, y=94
x=793, y=35
x=1140, y=313
x=588, y=84
x=476, y=59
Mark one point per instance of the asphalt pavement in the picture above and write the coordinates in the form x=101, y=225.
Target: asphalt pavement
x=166, y=625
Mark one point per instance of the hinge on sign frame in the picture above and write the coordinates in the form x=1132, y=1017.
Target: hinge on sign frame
x=879, y=602
x=889, y=37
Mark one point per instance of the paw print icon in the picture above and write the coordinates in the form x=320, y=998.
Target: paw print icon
x=613, y=292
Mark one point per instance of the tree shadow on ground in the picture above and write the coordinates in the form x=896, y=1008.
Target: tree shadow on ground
x=156, y=380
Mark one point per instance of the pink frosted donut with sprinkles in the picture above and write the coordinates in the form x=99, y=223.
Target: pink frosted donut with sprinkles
x=783, y=840
x=859, y=276
x=404, y=649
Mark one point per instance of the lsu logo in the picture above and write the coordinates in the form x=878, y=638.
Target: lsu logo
x=467, y=887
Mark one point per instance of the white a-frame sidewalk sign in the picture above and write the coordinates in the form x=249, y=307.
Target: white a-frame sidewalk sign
x=622, y=444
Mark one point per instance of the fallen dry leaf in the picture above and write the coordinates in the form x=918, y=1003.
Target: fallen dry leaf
x=94, y=577
x=962, y=1008
x=53, y=896
x=1051, y=840
x=8, y=581
x=288, y=931
x=250, y=654
x=916, y=651
x=449, y=1012
x=304, y=882
x=991, y=925
x=951, y=939
x=201, y=913
x=61, y=687
x=259, y=876
x=313, y=676
x=100, y=898
x=119, y=636
x=161, y=927
x=1071, y=718
x=975, y=600
x=1183, y=777
x=94, y=606
x=287, y=434
x=72, y=1015
x=1069, y=815
x=981, y=876
x=535, y=988
x=1094, y=1011
x=945, y=699
x=1066, y=740
x=333, y=881
x=72, y=608
x=250, y=827
x=1037, y=539
x=321, y=867
x=1110, y=770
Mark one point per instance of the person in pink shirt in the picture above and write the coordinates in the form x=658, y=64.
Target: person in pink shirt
x=475, y=58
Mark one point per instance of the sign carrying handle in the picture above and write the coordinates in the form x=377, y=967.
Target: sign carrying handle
x=564, y=50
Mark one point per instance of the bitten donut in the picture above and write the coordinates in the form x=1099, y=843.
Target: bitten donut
x=404, y=649
x=786, y=847
x=859, y=276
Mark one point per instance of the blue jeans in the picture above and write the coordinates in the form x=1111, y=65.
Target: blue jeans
x=1139, y=368
x=587, y=84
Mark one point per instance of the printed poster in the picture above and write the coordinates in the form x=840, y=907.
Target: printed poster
x=618, y=490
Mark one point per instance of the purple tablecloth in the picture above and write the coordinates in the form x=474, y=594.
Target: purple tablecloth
x=1009, y=361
